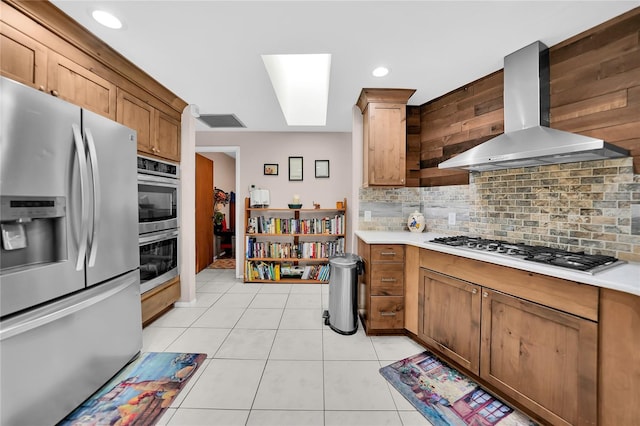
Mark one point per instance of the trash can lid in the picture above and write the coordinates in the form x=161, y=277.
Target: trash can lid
x=347, y=259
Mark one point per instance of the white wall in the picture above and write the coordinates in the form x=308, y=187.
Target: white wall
x=186, y=210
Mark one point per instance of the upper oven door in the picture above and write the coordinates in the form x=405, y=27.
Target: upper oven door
x=157, y=203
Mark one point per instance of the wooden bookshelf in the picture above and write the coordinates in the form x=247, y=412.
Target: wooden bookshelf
x=281, y=238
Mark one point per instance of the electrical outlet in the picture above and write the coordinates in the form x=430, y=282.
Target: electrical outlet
x=367, y=215
x=452, y=218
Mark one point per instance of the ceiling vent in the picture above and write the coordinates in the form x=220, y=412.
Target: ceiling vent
x=218, y=121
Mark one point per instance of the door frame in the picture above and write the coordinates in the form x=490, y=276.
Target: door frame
x=239, y=242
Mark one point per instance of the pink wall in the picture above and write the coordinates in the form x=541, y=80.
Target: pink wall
x=258, y=148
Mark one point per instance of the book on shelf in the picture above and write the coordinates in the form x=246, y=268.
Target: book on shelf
x=274, y=271
x=293, y=250
x=312, y=226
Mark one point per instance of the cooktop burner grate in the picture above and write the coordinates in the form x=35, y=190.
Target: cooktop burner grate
x=580, y=261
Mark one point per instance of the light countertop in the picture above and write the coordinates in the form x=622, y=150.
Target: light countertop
x=625, y=277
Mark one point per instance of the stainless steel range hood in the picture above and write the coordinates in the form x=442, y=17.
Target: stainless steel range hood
x=527, y=139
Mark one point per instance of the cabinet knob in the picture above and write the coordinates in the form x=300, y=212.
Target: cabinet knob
x=41, y=88
x=474, y=291
x=55, y=93
x=485, y=294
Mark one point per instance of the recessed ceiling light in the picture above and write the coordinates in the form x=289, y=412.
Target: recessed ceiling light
x=301, y=83
x=380, y=72
x=107, y=19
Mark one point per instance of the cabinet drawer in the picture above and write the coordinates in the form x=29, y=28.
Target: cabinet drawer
x=387, y=279
x=387, y=312
x=387, y=253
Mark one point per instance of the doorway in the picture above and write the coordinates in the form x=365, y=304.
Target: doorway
x=204, y=212
x=225, y=177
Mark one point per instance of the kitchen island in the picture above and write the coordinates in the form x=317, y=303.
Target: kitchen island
x=562, y=344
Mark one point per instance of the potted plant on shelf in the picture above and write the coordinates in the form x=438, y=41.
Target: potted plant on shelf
x=218, y=217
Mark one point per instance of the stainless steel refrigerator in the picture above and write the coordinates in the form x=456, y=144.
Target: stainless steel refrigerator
x=69, y=280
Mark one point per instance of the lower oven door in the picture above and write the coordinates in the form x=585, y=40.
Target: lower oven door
x=158, y=258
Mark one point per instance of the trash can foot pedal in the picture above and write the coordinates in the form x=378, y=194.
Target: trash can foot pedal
x=325, y=315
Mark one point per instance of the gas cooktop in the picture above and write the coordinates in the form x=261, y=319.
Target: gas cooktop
x=580, y=262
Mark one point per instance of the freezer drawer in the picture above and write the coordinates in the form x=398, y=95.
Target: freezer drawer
x=56, y=356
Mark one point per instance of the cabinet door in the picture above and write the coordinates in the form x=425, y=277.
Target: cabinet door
x=138, y=115
x=23, y=59
x=167, y=140
x=387, y=312
x=386, y=145
x=387, y=279
x=543, y=358
x=81, y=87
x=387, y=253
x=450, y=317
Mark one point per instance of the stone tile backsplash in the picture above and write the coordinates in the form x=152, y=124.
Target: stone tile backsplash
x=575, y=206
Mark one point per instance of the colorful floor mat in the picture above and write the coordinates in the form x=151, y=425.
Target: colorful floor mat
x=446, y=397
x=140, y=393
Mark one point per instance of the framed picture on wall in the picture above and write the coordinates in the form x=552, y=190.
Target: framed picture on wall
x=270, y=169
x=322, y=168
x=295, y=168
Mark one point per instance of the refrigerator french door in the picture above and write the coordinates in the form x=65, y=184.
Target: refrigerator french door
x=69, y=277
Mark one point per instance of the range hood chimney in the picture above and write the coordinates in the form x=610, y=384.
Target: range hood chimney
x=527, y=139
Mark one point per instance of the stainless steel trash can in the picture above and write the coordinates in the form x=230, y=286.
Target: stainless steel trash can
x=342, y=315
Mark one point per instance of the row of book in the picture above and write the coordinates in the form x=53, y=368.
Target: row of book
x=276, y=225
x=272, y=271
x=291, y=250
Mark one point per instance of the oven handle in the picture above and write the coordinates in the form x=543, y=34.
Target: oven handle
x=84, y=176
x=157, y=180
x=157, y=236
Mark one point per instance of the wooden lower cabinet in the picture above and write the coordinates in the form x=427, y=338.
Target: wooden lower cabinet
x=386, y=312
x=382, y=305
x=159, y=300
x=619, y=358
x=543, y=358
x=450, y=319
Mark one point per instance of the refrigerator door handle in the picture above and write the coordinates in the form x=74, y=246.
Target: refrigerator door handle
x=84, y=176
x=64, y=309
x=93, y=156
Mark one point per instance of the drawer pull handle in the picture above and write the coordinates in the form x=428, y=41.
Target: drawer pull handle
x=387, y=314
x=387, y=253
x=388, y=280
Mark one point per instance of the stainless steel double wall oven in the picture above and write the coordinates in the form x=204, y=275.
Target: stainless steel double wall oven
x=158, y=183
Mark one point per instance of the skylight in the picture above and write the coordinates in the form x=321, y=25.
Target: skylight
x=301, y=83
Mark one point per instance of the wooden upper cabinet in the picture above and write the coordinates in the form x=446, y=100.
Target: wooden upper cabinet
x=78, y=85
x=385, y=136
x=158, y=132
x=138, y=115
x=548, y=357
x=167, y=136
x=22, y=58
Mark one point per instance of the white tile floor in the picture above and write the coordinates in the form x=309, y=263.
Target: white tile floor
x=271, y=360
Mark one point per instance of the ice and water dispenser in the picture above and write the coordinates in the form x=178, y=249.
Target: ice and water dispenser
x=33, y=231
